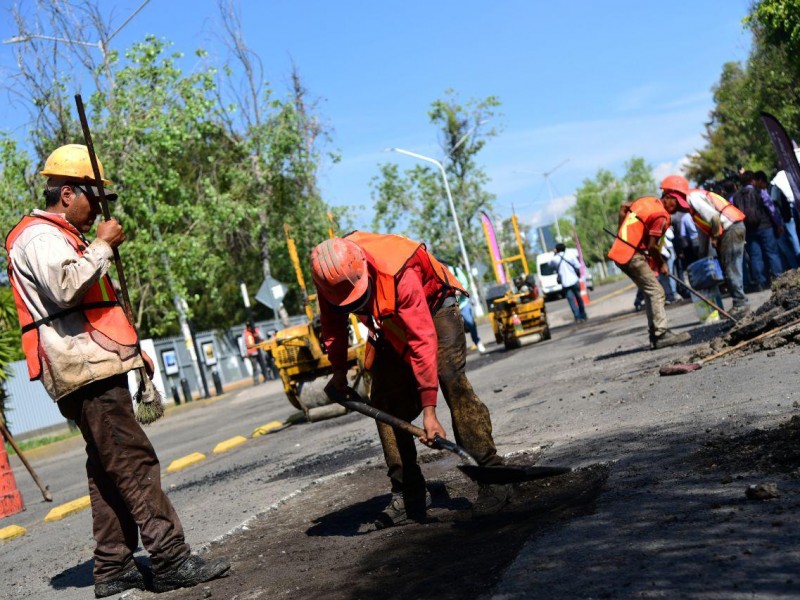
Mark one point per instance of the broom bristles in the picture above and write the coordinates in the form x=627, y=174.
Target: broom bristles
x=150, y=405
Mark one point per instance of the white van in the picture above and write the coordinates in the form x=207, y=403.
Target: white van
x=548, y=285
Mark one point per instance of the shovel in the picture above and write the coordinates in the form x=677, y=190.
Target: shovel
x=644, y=253
x=487, y=475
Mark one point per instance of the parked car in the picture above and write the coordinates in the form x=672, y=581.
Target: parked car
x=548, y=285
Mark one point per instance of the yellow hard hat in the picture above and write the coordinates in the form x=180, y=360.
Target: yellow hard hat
x=72, y=162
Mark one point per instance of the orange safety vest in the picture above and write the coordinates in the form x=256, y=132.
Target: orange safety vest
x=99, y=305
x=722, y=206
x=634, y=227
x=250, y=340
x=389, y=254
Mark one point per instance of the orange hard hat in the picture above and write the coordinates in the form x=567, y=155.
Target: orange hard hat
x=675, y=183
x=339, y=270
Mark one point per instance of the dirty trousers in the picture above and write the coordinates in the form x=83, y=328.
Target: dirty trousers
x=124, y=482
x=394, y=390
x=644, y=278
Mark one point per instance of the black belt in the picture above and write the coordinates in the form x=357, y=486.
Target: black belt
x=63, y=313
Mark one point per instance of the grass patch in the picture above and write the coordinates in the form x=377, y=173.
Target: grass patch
x=41, y=441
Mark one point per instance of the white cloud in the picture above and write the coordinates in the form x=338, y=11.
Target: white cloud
x=548, y=213
x=663, y=169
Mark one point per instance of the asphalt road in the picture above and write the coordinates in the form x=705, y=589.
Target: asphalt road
x=589, y=395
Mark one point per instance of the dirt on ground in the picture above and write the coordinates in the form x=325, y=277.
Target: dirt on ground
x=322, y=544
x=768, y=451
x=776, y=323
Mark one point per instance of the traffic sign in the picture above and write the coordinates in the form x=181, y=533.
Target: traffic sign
x=271, y=293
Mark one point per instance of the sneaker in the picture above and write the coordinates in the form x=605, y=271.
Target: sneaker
x=481, y=348
x=472, y=348
x=669, y=338
x=192, y=571
x=491, y=499
x=132, y=579
x=396, y=514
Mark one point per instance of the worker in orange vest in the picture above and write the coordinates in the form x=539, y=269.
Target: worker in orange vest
x=252, y=336
x=637, y=252
x=79, y=344
x=723, y=224
x=407, y=300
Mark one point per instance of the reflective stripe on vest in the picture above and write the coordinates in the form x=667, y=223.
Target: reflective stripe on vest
x=726, y=210
x=100, y=305
x=250, y=340
x=634, y=227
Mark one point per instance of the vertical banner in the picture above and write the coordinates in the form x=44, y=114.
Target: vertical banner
x=580, y=253
x=785, y=151
x=494, y=249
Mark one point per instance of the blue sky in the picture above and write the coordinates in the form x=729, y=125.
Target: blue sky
x=595, y=82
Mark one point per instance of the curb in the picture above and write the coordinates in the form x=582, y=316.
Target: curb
x=11, y=532
x=188, y=460
x=70, y=508
x=229, y=444
x=265, y=429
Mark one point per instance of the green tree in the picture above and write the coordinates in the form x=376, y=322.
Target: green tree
x=768, y=81
x=414, y=202
x=17, y=188
x=10, y=344
x=597, y=204
x=207, y=170
x=779, y=23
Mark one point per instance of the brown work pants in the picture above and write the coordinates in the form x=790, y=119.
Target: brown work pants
x=124, y=482
x=394, y=390
x=654, y=298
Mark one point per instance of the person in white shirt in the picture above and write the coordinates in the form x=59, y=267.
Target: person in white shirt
x=569, y=275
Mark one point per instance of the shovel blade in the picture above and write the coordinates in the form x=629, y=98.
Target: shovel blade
x=503, y=474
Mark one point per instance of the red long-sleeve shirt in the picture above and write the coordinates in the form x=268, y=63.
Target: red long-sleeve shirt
x=419, y=291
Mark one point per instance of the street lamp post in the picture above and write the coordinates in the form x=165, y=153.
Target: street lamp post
x=473, y=288
x=546, y=175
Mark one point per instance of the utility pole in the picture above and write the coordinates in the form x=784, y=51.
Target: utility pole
x=473, y=288
x=249, y=314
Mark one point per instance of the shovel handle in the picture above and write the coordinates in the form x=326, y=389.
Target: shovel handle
x=676, y=279
x=39, y=483
x=362, y=407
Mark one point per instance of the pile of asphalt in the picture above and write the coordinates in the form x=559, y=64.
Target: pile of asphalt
x=778, y=317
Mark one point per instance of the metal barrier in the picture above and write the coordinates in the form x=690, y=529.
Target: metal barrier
x=30, y=408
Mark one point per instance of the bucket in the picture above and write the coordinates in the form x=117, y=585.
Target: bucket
x=705, y=312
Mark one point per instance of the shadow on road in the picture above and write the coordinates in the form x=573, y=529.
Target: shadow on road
x=79, y=576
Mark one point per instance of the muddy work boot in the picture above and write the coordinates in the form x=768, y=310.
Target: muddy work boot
x=399, y=511
x=491, y=499
x=668, y=338
x=132, y=579
x=192, y=571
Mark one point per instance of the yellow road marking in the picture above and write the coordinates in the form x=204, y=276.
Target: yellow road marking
x=265, y=429
x=229, y=444
x=186, y=461
x=70, y=508
x=627, y=288
x=11, y=532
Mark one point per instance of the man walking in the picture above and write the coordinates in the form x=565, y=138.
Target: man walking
x=406, y=298
x=642, y=224
x=569, y=276
x=79, y=343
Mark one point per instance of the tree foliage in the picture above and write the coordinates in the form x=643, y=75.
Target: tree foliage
x=768, y=81
x=597, y=204
x=414, y=202
x=208, y=162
